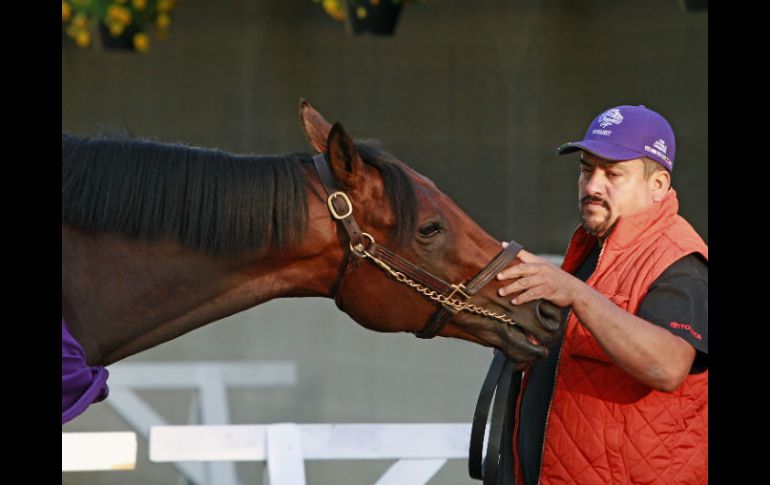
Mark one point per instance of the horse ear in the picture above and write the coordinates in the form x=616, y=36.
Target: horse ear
x=314, y=126
x=346, y=164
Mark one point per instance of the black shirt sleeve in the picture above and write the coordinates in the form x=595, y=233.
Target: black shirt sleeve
x=678, y=302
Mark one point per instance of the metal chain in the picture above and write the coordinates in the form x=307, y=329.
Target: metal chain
x=435, y=296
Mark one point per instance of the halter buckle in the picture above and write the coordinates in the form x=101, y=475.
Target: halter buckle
x=333, y=210
x=458, y=288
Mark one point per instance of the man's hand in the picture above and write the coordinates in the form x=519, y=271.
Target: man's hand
x=651, y=354
x=538, y=278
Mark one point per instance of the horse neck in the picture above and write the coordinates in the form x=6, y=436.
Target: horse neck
x=120, y=297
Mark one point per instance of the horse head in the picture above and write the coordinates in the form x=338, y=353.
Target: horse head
x=405, y=211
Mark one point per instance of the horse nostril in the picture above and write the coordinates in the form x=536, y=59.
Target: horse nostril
x=548, y=314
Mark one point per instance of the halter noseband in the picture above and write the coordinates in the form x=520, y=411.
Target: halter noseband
x=362, y=245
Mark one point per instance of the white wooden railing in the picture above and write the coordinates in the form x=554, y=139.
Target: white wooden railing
x=420, y=449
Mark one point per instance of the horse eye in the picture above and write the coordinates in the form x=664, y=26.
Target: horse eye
x=430, y=229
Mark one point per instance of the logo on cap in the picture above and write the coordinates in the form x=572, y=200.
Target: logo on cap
x=660, y=145
x=611, y=117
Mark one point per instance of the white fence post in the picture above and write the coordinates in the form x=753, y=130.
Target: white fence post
x=214, y=409
x=285, y=463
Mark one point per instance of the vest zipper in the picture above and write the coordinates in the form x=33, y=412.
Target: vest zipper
x=550, y=402
x=556, y=373
x=599, y=260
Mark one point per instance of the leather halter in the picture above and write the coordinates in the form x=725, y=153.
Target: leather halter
x=363, y=245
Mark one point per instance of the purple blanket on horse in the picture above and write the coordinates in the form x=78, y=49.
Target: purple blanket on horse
x=81, y=384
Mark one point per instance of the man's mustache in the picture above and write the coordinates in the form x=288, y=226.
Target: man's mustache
x=593, y=198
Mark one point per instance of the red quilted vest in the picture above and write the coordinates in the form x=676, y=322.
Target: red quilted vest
x=604, y=426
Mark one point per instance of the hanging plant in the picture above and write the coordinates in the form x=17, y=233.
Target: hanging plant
x=120, y=24
x=377, y=17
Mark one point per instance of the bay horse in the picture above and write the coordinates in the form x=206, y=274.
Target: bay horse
x=159, y=239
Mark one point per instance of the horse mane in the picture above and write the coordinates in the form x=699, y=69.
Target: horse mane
x=208, y=199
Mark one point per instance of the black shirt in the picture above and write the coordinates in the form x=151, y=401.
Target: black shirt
x=677, y=301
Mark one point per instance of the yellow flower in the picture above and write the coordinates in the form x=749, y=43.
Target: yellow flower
x=334, y=9
x=163, y=21
x=361, y=12
x=116, y=29
x=79, y=21
x=140, y=4
x=118, y=14
x=141, y=42
x=66, y=11
x=165, y=5
x=83, y=38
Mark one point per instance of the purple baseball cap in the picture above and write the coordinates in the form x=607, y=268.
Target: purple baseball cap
x=625, y=133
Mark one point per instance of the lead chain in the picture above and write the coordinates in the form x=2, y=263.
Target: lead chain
x=435, y=296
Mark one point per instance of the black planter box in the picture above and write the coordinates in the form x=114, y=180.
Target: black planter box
x=381, y=19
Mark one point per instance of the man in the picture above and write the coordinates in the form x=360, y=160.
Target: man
x=622, y=398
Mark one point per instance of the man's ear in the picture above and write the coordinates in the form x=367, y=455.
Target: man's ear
x=660, y=182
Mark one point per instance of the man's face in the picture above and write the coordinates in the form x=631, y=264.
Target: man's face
x=608, y=190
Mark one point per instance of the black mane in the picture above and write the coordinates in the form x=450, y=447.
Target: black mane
x=208, y=199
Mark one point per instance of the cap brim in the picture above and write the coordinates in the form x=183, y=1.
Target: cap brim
x=607, y=151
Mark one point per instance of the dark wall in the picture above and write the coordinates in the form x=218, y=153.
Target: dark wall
x=475, y=94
